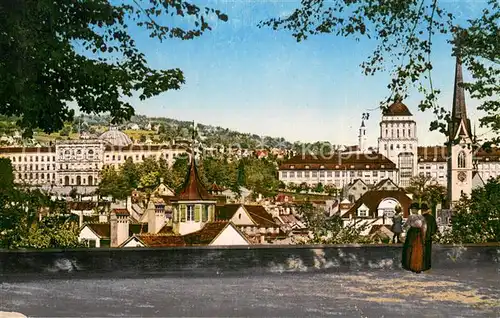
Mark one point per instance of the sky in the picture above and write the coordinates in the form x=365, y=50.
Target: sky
x=261, y=81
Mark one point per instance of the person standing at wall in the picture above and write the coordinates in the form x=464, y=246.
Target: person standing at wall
x=430, y=220
x=397, y=226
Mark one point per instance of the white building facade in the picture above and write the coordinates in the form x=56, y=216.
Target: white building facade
x=398, y=141
x=80, y=162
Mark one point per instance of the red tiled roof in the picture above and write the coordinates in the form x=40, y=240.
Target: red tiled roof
x=152, y=240
x=120, y=212
x=373, y=198
x=257, y=212
x=207, y=234
x=397, y=109
x=193, y=189
x=166, y=229
x=103, y=230
x=339, y=161
x=260, y=215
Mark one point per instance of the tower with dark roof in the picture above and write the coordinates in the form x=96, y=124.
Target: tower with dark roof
x=193, y=206
x=398, y=140
x=460, y=147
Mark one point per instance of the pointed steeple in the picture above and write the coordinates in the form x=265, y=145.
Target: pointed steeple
x=459, y=109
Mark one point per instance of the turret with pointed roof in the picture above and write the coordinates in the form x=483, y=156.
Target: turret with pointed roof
x=193, y=189
x=193, y=206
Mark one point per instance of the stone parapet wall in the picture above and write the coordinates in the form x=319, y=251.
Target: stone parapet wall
x=213, y=261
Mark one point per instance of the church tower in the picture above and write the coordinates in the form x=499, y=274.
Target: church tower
x=460, y=144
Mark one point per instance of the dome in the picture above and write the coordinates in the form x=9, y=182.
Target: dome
x=116, y=138
x=397, y=109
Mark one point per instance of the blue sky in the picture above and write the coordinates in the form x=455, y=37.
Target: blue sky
x=262, y=81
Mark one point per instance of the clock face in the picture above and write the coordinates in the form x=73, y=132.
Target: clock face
x=462, y=176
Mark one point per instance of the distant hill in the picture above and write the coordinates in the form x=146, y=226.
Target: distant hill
x=161, y=129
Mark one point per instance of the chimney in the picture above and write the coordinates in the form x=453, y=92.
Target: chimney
x=123, y=226
x=103, y=217
x=80, y=218
x=113, y=222
x=159, y=217
x=151, y=216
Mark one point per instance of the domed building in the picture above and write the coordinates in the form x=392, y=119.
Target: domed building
x=116, y=138
x=398, y=140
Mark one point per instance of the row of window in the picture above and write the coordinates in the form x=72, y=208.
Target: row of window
x=48, y=176
x=36, y=167
x=429, y=167
x=329, y=174
x=398, y=133
x=32, y=158
x=398, y=146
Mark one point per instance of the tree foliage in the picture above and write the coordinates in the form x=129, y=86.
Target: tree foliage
x=255, y=174
x=329, y=229
x=426, y=189
x=20, y=224
x=55, y=52
x=476, y=219
x=404, y=31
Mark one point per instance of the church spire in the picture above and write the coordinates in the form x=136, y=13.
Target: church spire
x=459, y=109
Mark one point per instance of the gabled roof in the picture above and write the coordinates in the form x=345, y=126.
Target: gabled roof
x=193, y=189
x=257, y=213
x=373, y=198
x=155, y=240
x=101, y=230
x=379, y=184
x=209, y=233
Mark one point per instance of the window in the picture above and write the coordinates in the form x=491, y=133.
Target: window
x=205, y=213
x=362, y=212
x=461, y=159
x=284, y=174
x=190, y=213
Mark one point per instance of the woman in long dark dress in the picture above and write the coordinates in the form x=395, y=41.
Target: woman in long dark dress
x=413, y=248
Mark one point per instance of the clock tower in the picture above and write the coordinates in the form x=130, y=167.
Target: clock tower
x=460, y=144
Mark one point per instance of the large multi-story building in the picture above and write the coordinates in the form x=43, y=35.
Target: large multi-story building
x=337, y=169
x=398, y=141
x=79, y=162
x=465, y=162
